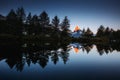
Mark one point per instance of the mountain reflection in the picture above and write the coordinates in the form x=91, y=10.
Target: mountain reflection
x=18, y=54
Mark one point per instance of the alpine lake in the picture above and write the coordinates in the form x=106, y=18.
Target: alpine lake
x=57, y=61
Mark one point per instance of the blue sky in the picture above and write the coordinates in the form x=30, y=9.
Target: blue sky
x=84, y=13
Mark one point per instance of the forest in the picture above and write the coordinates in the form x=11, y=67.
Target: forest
x=19, y=26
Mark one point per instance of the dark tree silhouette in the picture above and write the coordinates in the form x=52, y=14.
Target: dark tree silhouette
x=44, y=19
x=35, y=24
x=21, y=14
x=20, y=65
x=29, y=19
x=35, y=20
x=88, y=33
x=83, y=30
x=100, y=31
x=12, y=16
x=43, y=61
x=116, y=36
x=65, y=28
x=107, y=32
x=65, y=57
x=28, y=25
x=55, y=58
x=13, y=25
x=65, y=25
x=32, y=23
x=55, y=22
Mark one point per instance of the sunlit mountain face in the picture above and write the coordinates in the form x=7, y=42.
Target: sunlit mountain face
x=76, y=29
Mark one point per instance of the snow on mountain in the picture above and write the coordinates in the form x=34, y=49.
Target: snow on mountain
x=76, y=34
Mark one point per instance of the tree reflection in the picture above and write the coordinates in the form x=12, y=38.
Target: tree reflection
x=54, y=58
x=17, y=54
x=107, y=48
x=87, y=47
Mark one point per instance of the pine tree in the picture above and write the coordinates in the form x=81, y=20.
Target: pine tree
x=107, y=32
x=100, y=31
x=55, y=22
x=11, y=16
x=21, y=14
x=14, y=27
x=65, y=25
x=44, y=19
x=35, y=20
x=29, y=19
x=88, y=33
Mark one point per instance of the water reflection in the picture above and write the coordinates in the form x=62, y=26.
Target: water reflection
x=107, y=48
x=17, y=55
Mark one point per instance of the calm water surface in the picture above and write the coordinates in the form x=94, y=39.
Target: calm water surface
x=74, y=61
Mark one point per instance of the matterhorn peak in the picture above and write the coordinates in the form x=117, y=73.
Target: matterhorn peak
x=76, y=33
x=76, y=29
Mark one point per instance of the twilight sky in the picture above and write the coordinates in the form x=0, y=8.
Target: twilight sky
x=84, y=13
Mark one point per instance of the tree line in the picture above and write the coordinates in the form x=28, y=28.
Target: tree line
x=18, y=23
x=102, y=33
x=110, y=34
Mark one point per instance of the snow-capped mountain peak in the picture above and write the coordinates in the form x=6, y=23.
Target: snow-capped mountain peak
x=77, y=32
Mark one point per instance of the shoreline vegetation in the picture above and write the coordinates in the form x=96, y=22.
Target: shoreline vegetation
x=17, y=26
